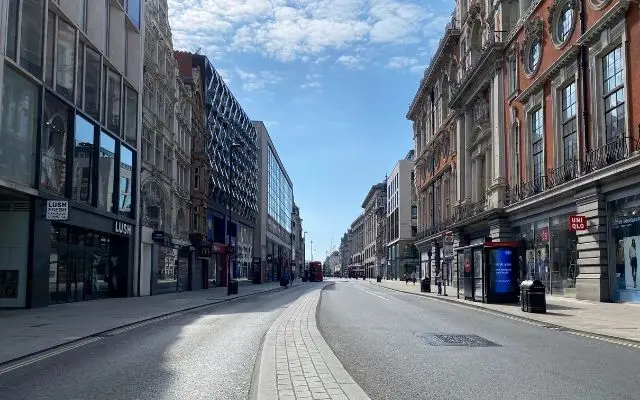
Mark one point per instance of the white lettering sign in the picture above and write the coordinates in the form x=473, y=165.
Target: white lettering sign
x=122, y=228
x=57, y=210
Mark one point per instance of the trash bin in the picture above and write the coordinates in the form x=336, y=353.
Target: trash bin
x=378, y=278
x=233, y=287
x=537, y=297
x=524, y=295
x=425, y=285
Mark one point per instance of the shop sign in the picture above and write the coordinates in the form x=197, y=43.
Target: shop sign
x=122, y=228
x=57, y=210
x=544, y=234
x=158, y=236
x=205, y=251
x=577, y=223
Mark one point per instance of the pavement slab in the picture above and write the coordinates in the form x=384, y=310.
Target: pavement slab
x=296, y=361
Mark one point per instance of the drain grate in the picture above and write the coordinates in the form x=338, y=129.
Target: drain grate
x=457, y=340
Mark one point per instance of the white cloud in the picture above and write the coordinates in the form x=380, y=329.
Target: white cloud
x=411, y=64
x=311, y=85
x=255, y=81
x=288, y=30
x=351, y=62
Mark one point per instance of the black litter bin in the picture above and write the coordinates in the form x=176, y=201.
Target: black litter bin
x=524, y=295
x=378, y=278
x=537, y=297
x=425, y=285
x=233, y=287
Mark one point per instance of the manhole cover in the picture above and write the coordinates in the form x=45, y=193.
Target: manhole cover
x=457, y=340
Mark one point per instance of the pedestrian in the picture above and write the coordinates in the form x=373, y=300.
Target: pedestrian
x=439, y=281
x=406, y=278
x=413, y=277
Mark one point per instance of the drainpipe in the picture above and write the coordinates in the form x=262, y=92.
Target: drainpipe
x=583, y=66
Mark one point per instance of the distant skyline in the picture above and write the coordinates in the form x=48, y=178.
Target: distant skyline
x=332, y=80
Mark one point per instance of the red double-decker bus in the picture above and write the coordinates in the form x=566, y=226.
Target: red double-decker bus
x=315, y=271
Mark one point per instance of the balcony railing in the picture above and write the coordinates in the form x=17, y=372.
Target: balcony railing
x=608, y=154
x=460, y=214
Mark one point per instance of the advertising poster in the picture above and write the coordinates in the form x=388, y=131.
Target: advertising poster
x=631, y=245
x=502, y=278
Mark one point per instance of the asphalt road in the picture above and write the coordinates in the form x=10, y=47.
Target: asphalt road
x=206, y=354
x=385, y=341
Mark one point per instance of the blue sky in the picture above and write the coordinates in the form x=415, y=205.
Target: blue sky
x=332, y=79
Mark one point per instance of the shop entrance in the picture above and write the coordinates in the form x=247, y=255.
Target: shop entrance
x=86, y=265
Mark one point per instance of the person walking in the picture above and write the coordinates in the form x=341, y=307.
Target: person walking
x=439, y=282
x=413, y=277
x=406, y=278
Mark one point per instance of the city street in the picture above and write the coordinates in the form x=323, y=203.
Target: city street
x=368, y=342
x=204, y=354
x=385, y=340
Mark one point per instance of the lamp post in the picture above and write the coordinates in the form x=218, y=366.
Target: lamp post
x=233, y=146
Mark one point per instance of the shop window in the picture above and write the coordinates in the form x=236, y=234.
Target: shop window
x=92, y=84
x=18, y=129
x=65, y=60
x=613, y=91
x=112, y=101
x=84, y=151
x=126, y=181
x=625, y=229
x=106, y=173
x=31, y=36
x=55, y=131
x=131, y=117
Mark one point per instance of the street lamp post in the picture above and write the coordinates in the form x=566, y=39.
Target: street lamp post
x=233, y=146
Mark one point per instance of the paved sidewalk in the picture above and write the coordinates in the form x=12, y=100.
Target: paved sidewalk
x=296, y=361
x=617, y=320
x=23, y=332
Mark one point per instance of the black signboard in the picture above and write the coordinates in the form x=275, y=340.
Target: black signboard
x=205, y=251
x=158, y=236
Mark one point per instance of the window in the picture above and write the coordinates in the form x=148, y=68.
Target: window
x=106, y=173
x=196, y=178
x=613, y=92
x=131, y=117
x=80, y=76
x=158, y=159
x=569, y=122
x=92, y=84
x=65, y=60
x=516, y=154
x=55, y=131
x=414, y=211
x=83, y=161
x=196, y=220
x=18, y=129
x=126, y=176
x=167, y=161
x=12, y=30
x=75, y=9
x=513, y=74
x=147, y=146
x=51, y=41
x=31, y=36
x=565, y=22
x=133, y=11
x=113, y=93
x=537, y=143
x=534, y=55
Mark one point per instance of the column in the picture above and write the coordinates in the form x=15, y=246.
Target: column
x=497, y=149
x=468, y=125
x=592, y=282
x=462, y=160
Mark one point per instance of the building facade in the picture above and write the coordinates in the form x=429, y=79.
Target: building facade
x=232, y=153
x=401, y=217
x=546, y=140
x=572, y=122
x=298, y=240
x=357, y=244
x=373, y=218
x=166, y=157
x=70, y=121
x=273, y=239
x=332, y=264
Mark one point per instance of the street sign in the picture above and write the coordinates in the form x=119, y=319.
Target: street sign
x=448, y=245
x=57, y=210
x=577, y=223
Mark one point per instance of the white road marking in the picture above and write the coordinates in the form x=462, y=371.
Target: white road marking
x=373, y=293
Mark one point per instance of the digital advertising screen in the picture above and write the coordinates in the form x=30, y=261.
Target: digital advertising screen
x=501, y=270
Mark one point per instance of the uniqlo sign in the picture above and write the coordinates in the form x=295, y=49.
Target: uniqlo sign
x=577, y=223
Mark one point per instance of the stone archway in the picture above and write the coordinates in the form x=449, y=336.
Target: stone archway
x=154, y=211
